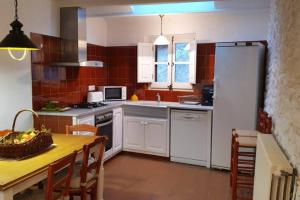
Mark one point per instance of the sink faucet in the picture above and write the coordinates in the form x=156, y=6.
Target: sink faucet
x=158, y=97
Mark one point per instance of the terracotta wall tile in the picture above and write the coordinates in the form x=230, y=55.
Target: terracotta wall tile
x=122, y=70
x=68, y=85
x=55, y=124
x=122, y=62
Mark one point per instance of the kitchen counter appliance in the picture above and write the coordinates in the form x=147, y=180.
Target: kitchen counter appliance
x=114, y=93
x=207, y=95
x=94, y=97
x=191, y=136
x=237, y=94
x=105, y=122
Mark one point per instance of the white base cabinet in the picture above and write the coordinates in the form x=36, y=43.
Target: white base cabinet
x=145, y=135
x=134, y=133
x=155, y=136
x=117, y=130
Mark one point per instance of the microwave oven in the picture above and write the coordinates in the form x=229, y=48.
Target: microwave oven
x=113, y=93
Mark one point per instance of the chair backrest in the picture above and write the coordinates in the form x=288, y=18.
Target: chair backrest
x=93, y=167
x=264, y=122
x=54, y=185
x=82, y=127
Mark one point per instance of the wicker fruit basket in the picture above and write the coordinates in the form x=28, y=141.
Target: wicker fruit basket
x=17, y=145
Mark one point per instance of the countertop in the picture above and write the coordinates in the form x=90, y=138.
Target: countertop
x=111, y=105
x=166, y=104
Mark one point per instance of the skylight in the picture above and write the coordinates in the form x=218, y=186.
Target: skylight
x=170, y=8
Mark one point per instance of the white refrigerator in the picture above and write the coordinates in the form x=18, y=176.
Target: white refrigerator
x=238, y=80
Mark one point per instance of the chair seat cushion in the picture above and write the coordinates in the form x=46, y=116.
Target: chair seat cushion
x=246, y=133
x=247, y=141
x=75, y=181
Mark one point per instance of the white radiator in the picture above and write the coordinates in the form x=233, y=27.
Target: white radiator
x=273, y=173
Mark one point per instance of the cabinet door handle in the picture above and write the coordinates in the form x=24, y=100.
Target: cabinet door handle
x=188, y=117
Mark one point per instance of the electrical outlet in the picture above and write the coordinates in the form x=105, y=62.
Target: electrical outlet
x=91, y=88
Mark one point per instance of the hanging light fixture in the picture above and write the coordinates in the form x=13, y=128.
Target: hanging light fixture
x=16, y=40
x=161, y=39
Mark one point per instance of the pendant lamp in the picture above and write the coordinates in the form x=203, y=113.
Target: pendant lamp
x=161, y=39
x=16, y=40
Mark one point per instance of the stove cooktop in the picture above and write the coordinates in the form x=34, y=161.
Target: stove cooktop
x=89, y=105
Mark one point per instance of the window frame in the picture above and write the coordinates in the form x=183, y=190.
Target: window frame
x=184, y=38
x=162, y=85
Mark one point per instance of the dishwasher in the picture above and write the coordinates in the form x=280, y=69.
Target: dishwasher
x=191, y=136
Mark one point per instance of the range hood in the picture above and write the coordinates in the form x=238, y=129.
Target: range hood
x=73, y=33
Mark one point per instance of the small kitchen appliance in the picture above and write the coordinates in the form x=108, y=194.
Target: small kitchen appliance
x=114, y=93
x=95, y=96
x=207, y=95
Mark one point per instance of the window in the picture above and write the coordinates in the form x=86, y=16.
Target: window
x=168, y=65
x=181, y=62
x=184, y=7
x=161, y=63
x=174, y=64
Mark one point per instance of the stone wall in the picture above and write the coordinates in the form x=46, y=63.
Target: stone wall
x=283, y=79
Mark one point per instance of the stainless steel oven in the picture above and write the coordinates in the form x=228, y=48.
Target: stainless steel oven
x=105, y=122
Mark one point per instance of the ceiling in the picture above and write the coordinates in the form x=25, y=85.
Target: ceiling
x=123, y=7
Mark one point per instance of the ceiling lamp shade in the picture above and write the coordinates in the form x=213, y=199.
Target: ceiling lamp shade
x=161, y=39
x=16, y=40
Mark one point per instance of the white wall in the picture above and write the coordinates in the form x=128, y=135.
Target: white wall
x=210, y=27
x=96, y=31
x=283, y=80
x=15, y=77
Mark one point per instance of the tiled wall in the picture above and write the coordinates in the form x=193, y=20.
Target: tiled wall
x=57, y=124
x=205, y=62
x=68, y=85
x=122, y=63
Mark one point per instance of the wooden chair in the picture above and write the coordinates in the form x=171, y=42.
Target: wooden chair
x=243, y=164
x=58, y=184
x=87, y=181
x=53, y=185
x=243, y=153
x=82, y=127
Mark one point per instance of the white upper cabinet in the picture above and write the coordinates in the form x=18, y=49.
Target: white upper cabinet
x=145, y=63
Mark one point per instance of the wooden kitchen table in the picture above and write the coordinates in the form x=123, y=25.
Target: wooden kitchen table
x=16, y=176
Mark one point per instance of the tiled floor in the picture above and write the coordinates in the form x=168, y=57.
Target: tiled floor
x=131, y=177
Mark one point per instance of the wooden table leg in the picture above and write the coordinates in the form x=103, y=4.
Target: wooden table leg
x=7, y=194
